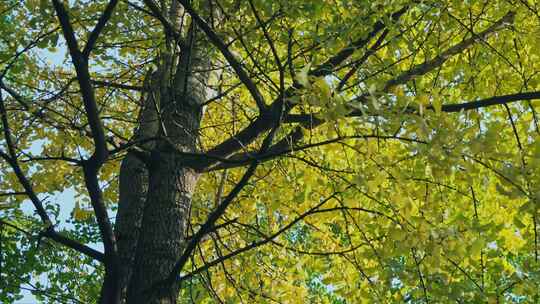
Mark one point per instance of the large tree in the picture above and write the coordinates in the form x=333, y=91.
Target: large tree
x=231, y=151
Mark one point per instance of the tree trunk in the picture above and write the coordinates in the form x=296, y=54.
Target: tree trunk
x=133, y=188
x=164, y=221
x=155, y=198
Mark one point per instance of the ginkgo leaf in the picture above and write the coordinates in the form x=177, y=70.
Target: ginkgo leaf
x=437, y=105
x=303, y=76
x=271, y=149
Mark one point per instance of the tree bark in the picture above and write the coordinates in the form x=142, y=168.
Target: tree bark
x=133, y=187
x=155, y=198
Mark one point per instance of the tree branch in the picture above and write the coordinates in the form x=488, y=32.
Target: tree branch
x=222, y=207
x=85, y=83
x=91, y=166
x=327, y=67
x=94, y=35
x=308, y=119
x=222, y=47
x=286, y=145
x=169, y=28
x=57, y=237
x=11, y=159
x=260, y=242
x=491, y=101
x=429, y=65
x=103, y=83
x=261, y=123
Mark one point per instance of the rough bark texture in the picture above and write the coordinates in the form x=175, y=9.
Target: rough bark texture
x=133, y=188
x=155, y=198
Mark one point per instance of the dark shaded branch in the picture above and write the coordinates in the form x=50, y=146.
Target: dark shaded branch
x=499, y=173
x=362, y=60
x=467, y=275
x=241, y=159
x=491, y=101
x=169, y=28
x=84, y=79
x=100, y=210
x=53, y=235
x=327, y=67
x=92, y=166
x=417, y=263
x=213, y=217
x=102, y=83
x=239, y=140
x=67, y=29
x=287, y=145
x=304, y=252
x=210, y=221
x=94, y=35
x=14, y=193
x=13, y=226
x=448, y=108
x=57, y=297
x=11, y=158
x=268, y=38
x=220, y=209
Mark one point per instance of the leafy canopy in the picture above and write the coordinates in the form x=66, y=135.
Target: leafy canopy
x=408, y=171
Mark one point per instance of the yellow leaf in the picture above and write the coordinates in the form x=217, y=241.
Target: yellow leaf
x=397, y=234
x=423, y=99
x=78, y=214
x=302, y=77
x=323, y=88
x=437, y=105
x=398, y=91
x=476, y=247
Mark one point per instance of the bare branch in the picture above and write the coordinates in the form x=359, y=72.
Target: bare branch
x=327, y=67
x=110, y=290
x=287, y=145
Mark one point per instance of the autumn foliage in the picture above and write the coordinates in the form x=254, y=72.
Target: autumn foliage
x=345, y=151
